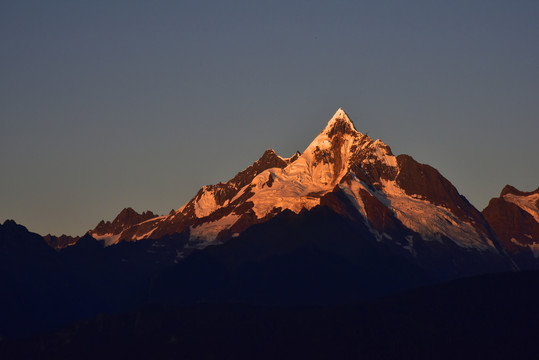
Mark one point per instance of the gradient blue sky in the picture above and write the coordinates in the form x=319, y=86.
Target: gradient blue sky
x=109, y=104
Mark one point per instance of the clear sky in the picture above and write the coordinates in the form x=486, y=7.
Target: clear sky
x=109, y=104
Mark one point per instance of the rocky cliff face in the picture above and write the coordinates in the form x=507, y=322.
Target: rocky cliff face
x=110, y=232
x=514, y=217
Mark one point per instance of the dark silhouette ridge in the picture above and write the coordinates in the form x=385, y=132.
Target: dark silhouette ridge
x=487, y=317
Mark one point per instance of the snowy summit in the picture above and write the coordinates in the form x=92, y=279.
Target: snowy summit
x=394, y=196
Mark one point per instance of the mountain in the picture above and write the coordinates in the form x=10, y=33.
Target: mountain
x=514, y=217
x=344, y=221
x=60, y=242
x=42, y=287
x=38, y=290
x=110, y=232
x=399, y=200
x=106, y=231
x=206, y=215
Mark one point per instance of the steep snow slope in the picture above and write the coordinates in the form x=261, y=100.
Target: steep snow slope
x=527, y=203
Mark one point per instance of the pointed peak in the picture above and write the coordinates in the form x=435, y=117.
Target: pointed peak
x=269, y=152
x=268, y=155
x=268, y=160
x=340, y=114
x=340, y=122
x=10, y=223
x=127, y=211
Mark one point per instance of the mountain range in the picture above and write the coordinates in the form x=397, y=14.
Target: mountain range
x=400, y=201
x=343, y=221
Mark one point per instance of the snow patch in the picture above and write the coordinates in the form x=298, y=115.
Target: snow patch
x=352, y=193
x=143, y=236
x=157, y=218
x=207, y=232
x=526, y=203
x=410, y=246
x=534, y=247
x=429, y=220
x=206, y=204
x=382, y=154
x=108, y=239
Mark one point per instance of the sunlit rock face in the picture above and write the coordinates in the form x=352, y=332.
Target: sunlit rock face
x=514, y=217
x=110, y=232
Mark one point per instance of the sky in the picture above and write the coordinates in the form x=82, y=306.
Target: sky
x=113, y=104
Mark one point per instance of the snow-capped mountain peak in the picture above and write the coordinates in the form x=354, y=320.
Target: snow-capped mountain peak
x=390, y=195
x=339, y=122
